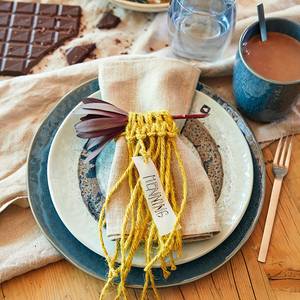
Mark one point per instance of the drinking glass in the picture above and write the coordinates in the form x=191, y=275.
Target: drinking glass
x=201, y=29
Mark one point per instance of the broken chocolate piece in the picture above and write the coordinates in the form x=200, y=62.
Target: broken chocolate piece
x=108, y=21
x=28, y=31
x=78, y=54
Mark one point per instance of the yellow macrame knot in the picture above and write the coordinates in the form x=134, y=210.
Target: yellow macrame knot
x=153, y=136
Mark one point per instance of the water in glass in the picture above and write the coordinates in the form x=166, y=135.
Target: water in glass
x=201, y=29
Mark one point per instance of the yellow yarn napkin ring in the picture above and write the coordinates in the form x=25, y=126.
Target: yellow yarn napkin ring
x=151, y=135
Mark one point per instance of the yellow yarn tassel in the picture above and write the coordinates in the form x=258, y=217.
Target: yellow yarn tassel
x=153, y=136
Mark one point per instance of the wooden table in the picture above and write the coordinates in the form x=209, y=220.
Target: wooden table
x=241, y=278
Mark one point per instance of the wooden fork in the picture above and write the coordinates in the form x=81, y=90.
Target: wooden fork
x=280, y=168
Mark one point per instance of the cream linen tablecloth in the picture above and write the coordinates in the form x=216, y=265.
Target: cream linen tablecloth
x=25, y=101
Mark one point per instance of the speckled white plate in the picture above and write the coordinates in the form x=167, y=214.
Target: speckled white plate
x=231, y=206
x=142, y=7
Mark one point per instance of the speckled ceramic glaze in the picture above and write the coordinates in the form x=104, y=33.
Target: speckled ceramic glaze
x=258, y=98
x=50, y=223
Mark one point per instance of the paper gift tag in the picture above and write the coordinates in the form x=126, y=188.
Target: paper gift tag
x=160, y=208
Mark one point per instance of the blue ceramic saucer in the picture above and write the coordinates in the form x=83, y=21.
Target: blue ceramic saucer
x=50, y=223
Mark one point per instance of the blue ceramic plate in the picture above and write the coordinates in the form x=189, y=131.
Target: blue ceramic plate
x=90, y=262
x=63, y=170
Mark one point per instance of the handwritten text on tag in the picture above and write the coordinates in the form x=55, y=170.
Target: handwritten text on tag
x=161, y=210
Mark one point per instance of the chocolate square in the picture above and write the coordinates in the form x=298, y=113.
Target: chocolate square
x=67, y=25
x=13, y=65
x=48, y=9
x=62, y=36
x=4, y=19
x=37, y=51
x=73, y=11
x=22, y=21
x=6, y=6
x=43, y=37
x=45, y=22
x=2, y=34
x=16, y=35
x=27, y=8
x=16, y=50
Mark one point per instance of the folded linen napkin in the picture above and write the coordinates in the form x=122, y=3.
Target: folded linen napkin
x=153, y=84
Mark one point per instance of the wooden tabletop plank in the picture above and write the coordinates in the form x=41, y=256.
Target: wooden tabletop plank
x=189, y=291
x=206, y=288
x=168, y=294
x=258, y=278
x=283, y=295
x=224, y=282
x=241, y=278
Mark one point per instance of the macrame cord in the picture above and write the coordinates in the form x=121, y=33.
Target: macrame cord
x=153, y=136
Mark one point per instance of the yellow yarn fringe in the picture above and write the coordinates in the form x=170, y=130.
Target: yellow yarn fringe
x=153, y=136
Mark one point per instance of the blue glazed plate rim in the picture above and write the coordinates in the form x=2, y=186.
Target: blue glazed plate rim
x=135, y=281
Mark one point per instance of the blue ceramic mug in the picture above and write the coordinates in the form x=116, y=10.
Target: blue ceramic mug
x=262, y=99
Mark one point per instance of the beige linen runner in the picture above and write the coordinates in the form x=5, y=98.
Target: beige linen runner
x=25, y=101
x=153, y=84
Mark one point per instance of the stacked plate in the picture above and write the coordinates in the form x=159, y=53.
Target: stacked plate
x=66, y=195
x=142, y=6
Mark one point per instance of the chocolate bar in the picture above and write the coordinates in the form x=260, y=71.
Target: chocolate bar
x=29, y=31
